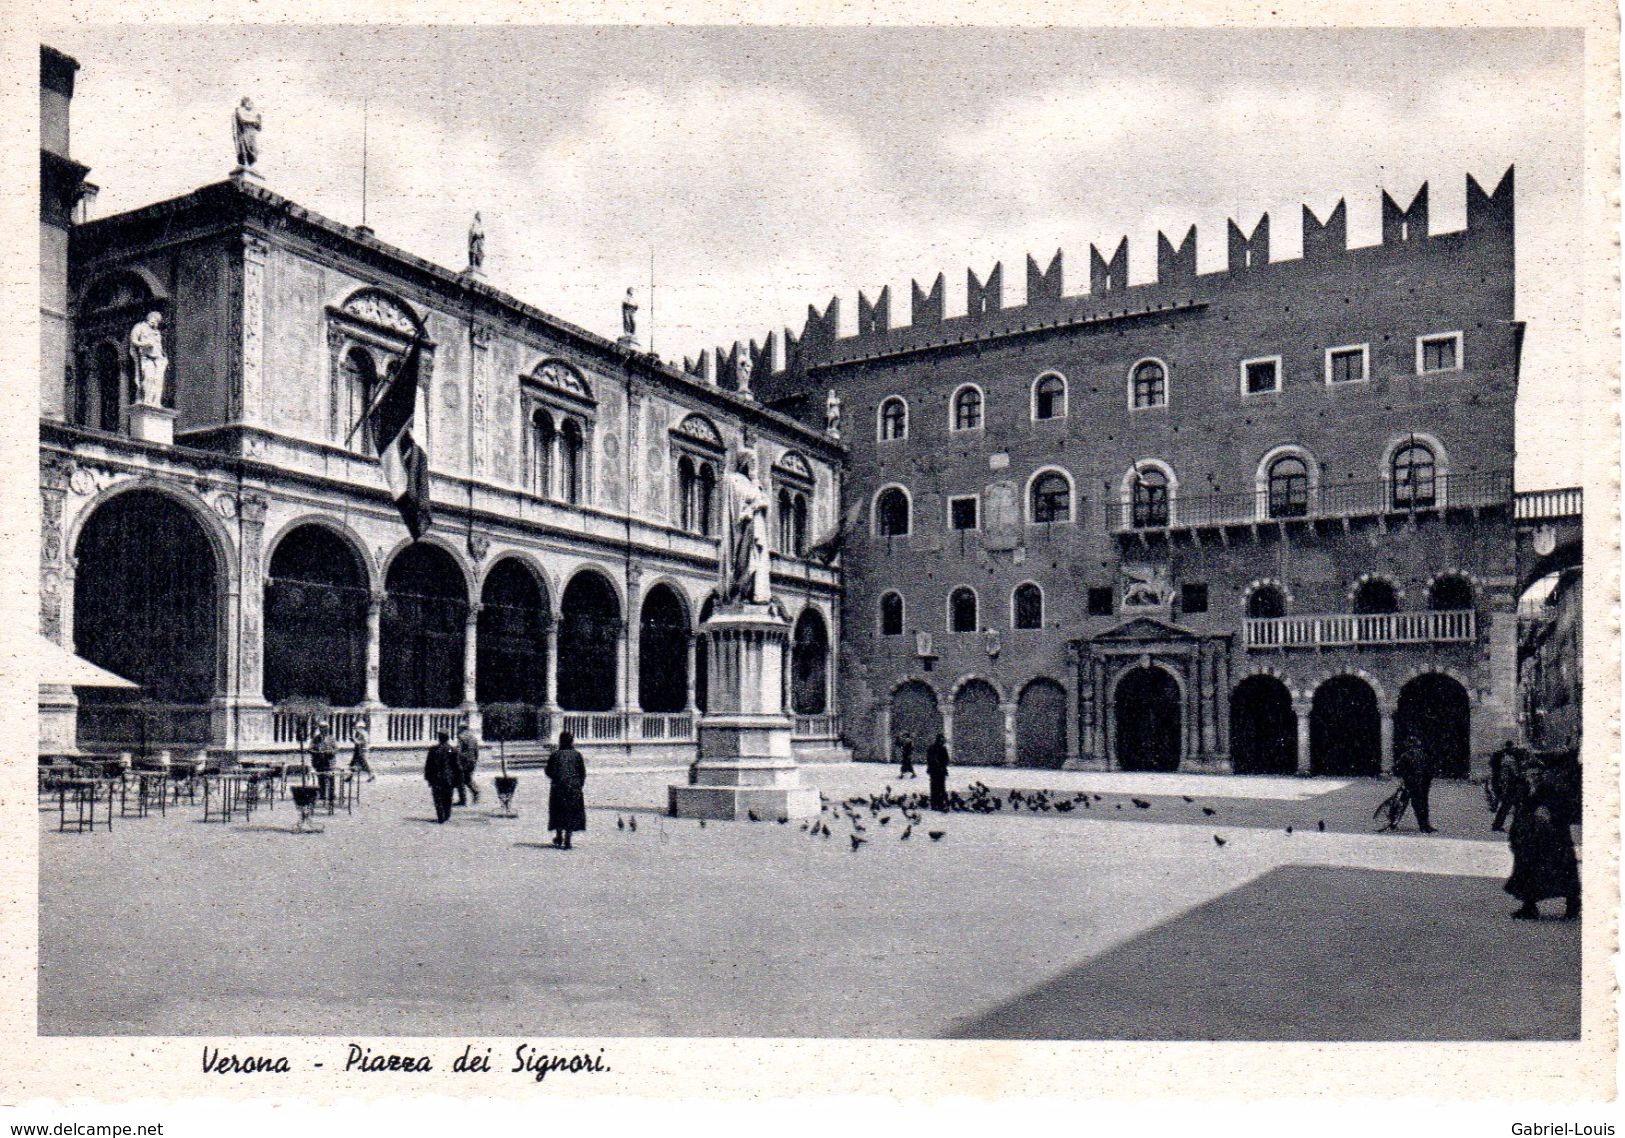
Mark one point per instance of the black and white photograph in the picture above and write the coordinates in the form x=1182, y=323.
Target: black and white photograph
x=562, y=538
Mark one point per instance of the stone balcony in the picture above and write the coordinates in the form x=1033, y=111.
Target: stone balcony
x=1353, y=630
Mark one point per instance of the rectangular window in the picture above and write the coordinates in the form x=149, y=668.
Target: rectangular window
x=962, y=513
x=1347, y=365
x=1193, y=597
x=1438, y=353
x=1261, y=376
x=1100, y=600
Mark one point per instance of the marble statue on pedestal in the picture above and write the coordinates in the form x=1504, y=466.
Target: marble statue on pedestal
x=150, y=364
x=832, y=415
x=745, y=566
x=246, y=128
x=629, y=319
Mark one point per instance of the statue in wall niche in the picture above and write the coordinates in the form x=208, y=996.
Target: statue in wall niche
x=832, y=415
x=246, y=127
x=148, y=360
x=744, y=561
x=476, y=244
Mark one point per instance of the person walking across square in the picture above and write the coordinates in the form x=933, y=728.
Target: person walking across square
x=323, y=754
x=360, y=743
x=1413, y=766
x=468, y=756
x=443, y=773
x=905, y=756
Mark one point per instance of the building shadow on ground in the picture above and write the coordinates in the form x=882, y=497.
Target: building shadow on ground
x=1314, y=953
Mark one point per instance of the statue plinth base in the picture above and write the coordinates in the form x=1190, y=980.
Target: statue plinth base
x=474, y=272
x=152, y=424
x=628, y=342
x=746, y=765
x=248, y=173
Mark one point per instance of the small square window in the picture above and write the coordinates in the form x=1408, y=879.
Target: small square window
x=1193, y=597
x=1438, y=353
x=962, y=513
x=1100, y=600
x=1259, y=377
x=1346, y=365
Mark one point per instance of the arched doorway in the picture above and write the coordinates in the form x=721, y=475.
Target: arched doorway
x=1148, y=721
x=1435, y=711
x=1345, y=729
x=978, y=726
x=1263, y=727
x=1041, y=725
x=589, y=644
x=146, y=605
x=316, y=619
x=809, y=663
x=424, y=619
x=662, y=652
x=510, y=659
x=914, y=710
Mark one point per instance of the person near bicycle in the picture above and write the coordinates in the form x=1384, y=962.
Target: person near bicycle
x=1414, y=768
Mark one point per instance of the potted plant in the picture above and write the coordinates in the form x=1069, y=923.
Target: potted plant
x=501, y=722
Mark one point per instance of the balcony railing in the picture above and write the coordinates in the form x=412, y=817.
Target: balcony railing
x=818, y=727
x=1329, y=500
x=1350, y=630
x=1544, y=505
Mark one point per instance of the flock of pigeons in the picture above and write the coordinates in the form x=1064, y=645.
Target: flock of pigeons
x=861, y=811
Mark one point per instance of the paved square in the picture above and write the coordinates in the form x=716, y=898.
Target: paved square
x=1112, y=921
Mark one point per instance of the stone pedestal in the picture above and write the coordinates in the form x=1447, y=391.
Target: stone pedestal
x=745, y=764
x=58, y=720
x=152, y=424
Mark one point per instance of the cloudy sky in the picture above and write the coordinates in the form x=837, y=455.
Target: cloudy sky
x=771, y=168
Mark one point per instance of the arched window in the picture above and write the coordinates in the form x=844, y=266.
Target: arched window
x=1050, y=499
x=1150, y=498
x=1049, y=397
x=1266, y=602
x=1027, y=606
x=705, y=496
x=1414, y=477
x=570, y=459
x=891, y=614
x=543, y=442
x=1375, y=595
x=968, y=408
x=962, y=610
x=892, y=512
x=792, y=521
x=1450, y=593
x=360, y=383
x=1150, y=384
x=1289, y=487
x=893, y=419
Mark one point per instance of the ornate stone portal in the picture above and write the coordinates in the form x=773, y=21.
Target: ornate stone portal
x=746, y=765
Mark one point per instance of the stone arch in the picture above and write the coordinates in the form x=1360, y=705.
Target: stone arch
x=953, y=408
x=1255, y=598
x=449, y=548
x=544, y=579
x=511, y=661
x=102, y=291
x=220, y=539
x=1065, y=394
x=664, y=628
x=1041, y=724
x=1147, y=701
x=1263, y=726
x=149, y=604
x=590, y=630
x=1345, y=727
x=881, y=415
x=1133, y=474
x=1368, y=584
x=1167, y=382
x=1030, y=514
x=1435, y=710
x=424, y=627
x=384, y=308
x=809, y=663
x=955, y=599
x=1445, y=590
x=1261, y=476
x=885, y=527
x=978, y=723
x=915, y=709
x=317, y=592
x=353, y=540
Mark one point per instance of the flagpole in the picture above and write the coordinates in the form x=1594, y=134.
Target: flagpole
x=384, y=389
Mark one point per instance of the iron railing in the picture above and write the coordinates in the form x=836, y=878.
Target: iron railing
x=1344, y=630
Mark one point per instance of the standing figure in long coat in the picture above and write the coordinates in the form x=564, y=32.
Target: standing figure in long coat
x=442, y=772
x=566, y=804
x=1543, y=860
x=936, y=769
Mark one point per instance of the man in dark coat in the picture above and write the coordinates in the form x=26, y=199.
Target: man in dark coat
x=323, y=752
x=1543, y=860
x=1506, y=772
x=468, y=757
x=936, y=769
x=566, y=804
x=443, y=773
x=905, y=756
x=1413, y=766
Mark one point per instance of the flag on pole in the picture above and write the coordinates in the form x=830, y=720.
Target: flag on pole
x=393, y=422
